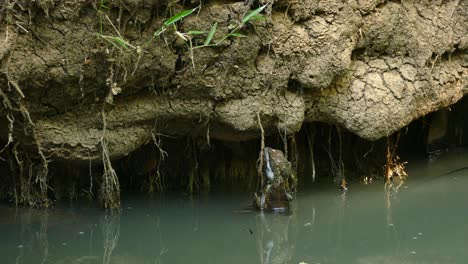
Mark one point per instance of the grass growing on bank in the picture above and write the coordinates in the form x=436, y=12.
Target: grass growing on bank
x=120, y=43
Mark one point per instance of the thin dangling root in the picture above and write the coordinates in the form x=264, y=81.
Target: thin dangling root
x=156, y=179
x=110, y=187
x=394, y=168
x=37, y=173
x=262, y=151
x=311, y=142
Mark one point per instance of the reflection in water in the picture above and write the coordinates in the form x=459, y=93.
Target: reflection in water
x=423, y=221
x=29, y=237
x=391, y=194
x=42, y=236
x=336, y=222
x=274, y=241
x=163, y=250
x=110, y=225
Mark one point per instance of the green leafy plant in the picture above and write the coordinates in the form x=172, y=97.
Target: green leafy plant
x=117, y=41
x=174, y=19
x=253, y=15
x=120, y=43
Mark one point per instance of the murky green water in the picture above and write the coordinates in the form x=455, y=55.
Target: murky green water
x=426, y=221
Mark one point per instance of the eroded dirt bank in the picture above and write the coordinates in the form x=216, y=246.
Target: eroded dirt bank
x=71, y=94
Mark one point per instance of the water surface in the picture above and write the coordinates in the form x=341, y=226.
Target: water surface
x=424, y=221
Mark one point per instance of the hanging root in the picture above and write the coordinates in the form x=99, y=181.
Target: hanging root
x=294, y=155
x=262, y=151
x=156, y=178
x=110, y=188
x=283, y=133
x=311, y=141
x=343, y=183
x=11, y=122
x=394, y=168
x=193, y=174
x=28, y=188
x=337, y=167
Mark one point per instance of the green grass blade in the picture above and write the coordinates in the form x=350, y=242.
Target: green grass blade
x=179, y=16
x=121, y=42
x=258, y=18
x=252, y=14
x=159, y=32
x=195, y=32
x=237, y=35
x=211, y=34
x=102, y=4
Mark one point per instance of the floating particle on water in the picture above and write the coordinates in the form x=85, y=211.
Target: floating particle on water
x=302, y=262
x=307, y=224
x=413, y=252
x=420, y=233
x=64, y=244
x=415, y=237
x=20, y=246
x=391, y=225
x=81, y=233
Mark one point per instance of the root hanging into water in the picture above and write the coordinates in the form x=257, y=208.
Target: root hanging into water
x=110, y=187
x=90, y=192
x=261, y=154
x=26, y=181
x=395, y=174
x=28, y=188
x=337, y=167
x=283, y=133
x=156, y=179
x=294, y=155
x=310, y=133
x=193, y=174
